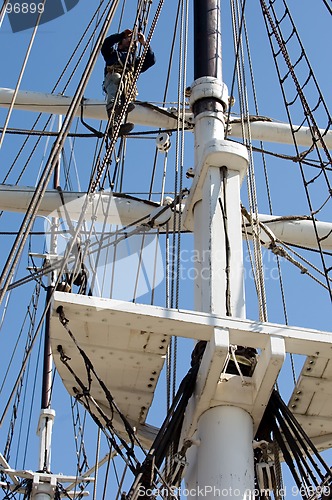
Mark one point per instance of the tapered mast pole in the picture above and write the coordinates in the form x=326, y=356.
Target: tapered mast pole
x=221, y=460
x=207, y=40
x=47, y=414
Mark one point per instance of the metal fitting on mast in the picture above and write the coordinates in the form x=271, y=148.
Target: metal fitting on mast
x=208, y=94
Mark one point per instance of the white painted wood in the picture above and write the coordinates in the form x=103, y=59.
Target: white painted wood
x=266, y=372
x=114, y=207
x=44, y=431
x=212, y=364
x=221, y=464
x=311, y=400
x=294, y=231
x=124, y=209
x=193, y=324
x=111, y=329
x=94, y=109
x=128, y=360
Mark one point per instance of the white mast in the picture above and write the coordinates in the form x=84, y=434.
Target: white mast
x=222, y=460
x=222, y=417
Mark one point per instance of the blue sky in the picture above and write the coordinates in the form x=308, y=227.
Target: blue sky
x=308, y=306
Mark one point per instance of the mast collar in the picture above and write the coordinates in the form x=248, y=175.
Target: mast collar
x=208, y=87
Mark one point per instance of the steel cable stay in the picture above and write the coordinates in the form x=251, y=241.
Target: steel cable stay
x=121, y=148
x=24, y=486
x=108, y=458
x=33, y=395
x=167, y=437
x=109, y=240
x=121, y=234
x=103, y=168
x=238, y=20
x=276, y=246
x=49, y=167
x=16, y=392
x=275, y=34
x=70, y=164
x=312, y=162
x=18, y=406
x=11, y=107
x=84, y=396
x=329, y=8
x=156, y=153
x=175, y=200
x=79, y=426
x=96, y=467
x=262, y=151
x=90, y=405
x=62, y=264
x=59, y=79
x=172, y=274
x=119, y=483
x=168, y=279
x=143, y=14
x=149, y=198
x=101, y=165
x=311, y=473
x=278, y=480
x=54, y=90
x=174, y=257
x=90, y=370
x=300, y=157
x=44, y=133
x=7, y=303
x=85, y=243
x=30, y=315
x=3, y=11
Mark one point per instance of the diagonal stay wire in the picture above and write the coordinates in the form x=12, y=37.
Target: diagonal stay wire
x=50, y=165
x=11, y=107
x=99, y=169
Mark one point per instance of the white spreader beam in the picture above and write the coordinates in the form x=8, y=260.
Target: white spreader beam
x=269, y=131
x=119, y=209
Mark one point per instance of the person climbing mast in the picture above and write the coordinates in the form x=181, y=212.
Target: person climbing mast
x=117, y=88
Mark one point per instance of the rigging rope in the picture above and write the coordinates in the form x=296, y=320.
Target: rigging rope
x=32, y=335
x=50, y=164
x=275, y=23
x=82, y=458
x=86, y=391
x=95, y=14
x=238, y=27
x=11, y=107
x=100, y=167
x=169, y=433
x=310, y=471
x=49, y=268
x=327, y=6
x=3, y=11
x=173, y=263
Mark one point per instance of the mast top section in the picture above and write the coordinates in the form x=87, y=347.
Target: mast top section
x=207, y=51
x=207, y=39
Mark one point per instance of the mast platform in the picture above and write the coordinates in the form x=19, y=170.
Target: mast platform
x=311, y=401
x=127, y=343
